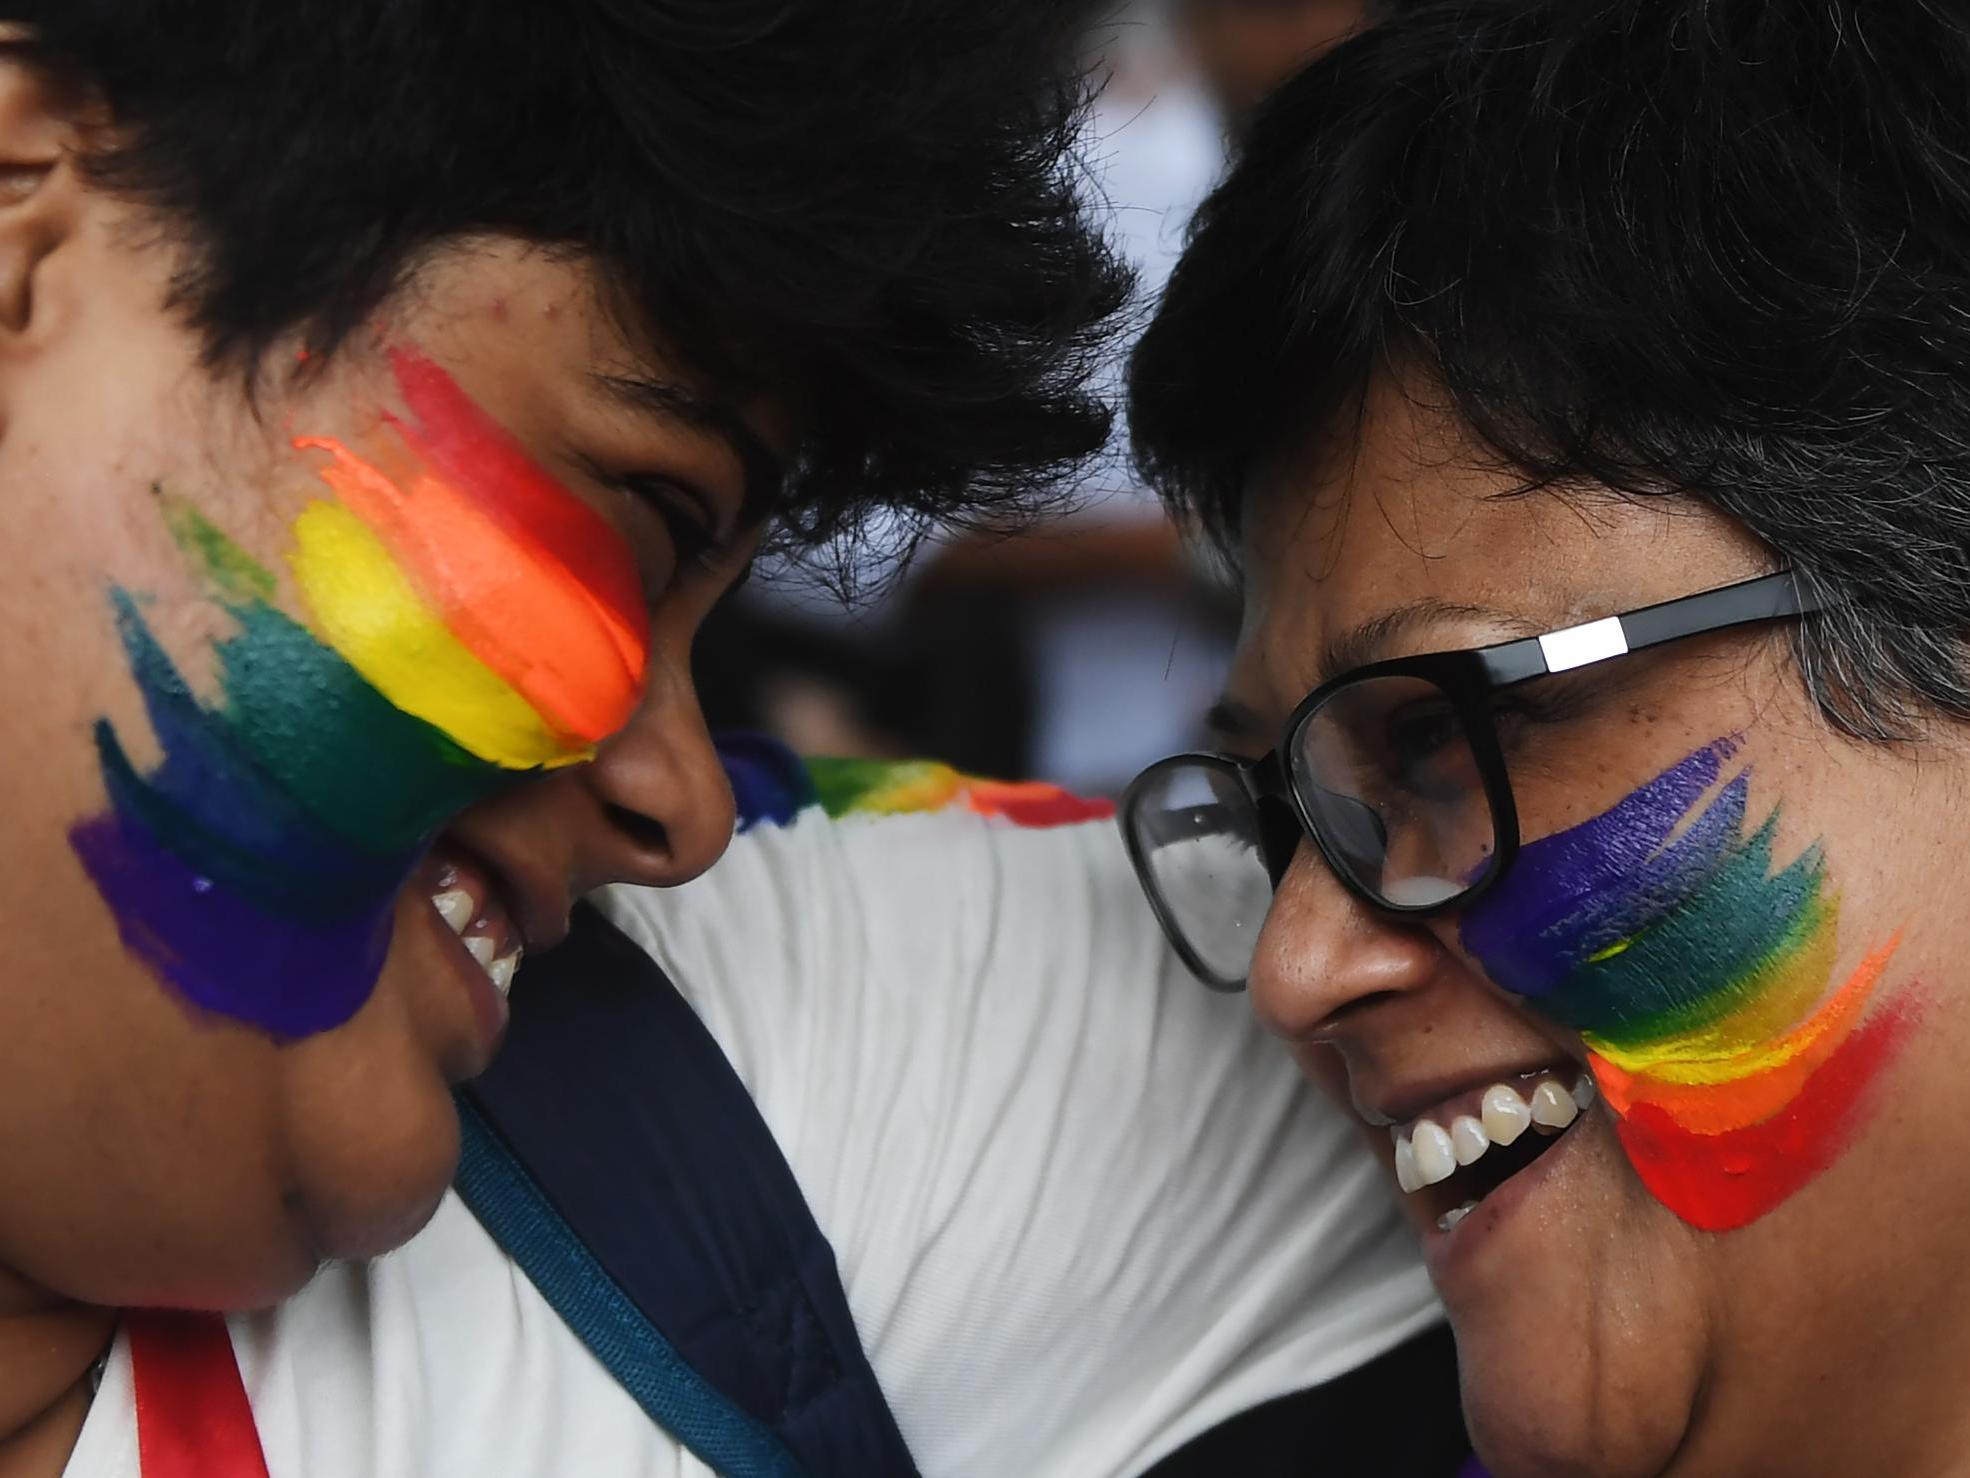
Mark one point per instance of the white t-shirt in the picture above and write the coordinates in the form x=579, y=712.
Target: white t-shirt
x=1083, y=1209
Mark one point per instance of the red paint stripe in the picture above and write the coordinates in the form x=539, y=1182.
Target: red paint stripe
x=193, y=1420
x=1720, y=1182
x=1033, y=803
x=513, y=607
x=478, y=455
x=1716, y=1108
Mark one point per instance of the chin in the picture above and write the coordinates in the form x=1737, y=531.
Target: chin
x=366, y=1180
x=1537, y=1406
x=343, y=1203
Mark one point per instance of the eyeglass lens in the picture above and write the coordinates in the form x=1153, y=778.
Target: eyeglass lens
x=1389, y=777
x=1392, y=783
x=1200, y=840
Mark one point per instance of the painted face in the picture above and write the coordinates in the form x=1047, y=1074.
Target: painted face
x=1697, y=975
x=469, y=621
x=1748, y=941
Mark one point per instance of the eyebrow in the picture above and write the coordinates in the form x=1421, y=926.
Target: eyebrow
x=1233, y=719
x=763, y=469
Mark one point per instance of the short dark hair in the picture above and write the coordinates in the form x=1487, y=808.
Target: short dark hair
x=1708, y=247
x=869, y=209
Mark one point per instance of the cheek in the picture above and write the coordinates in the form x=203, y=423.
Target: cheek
x=1700, y=972
x=142, y=1169
x=466, y=621
x=471, y=588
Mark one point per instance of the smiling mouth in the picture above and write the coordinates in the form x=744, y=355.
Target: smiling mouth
x=1473, y=1142
x=464, y=895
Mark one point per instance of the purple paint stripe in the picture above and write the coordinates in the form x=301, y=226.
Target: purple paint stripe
x=225, y=955
x=1572, y=894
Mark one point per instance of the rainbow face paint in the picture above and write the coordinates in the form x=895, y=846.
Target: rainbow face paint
x=1699, y=978
x=467, y=620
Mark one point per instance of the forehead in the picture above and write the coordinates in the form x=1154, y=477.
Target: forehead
x=533, y=334
x=523, y=306
x=1406, y=512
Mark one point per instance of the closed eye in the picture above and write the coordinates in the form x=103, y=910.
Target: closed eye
x=693, y=536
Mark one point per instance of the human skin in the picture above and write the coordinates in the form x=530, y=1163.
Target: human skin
x=1245, y=50
x=155, y=1153
x=1597, y=1332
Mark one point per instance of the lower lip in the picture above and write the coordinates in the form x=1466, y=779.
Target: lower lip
x=489, y=1009
x=1449, y=1255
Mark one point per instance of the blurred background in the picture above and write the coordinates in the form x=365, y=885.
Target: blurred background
x=1083, y=648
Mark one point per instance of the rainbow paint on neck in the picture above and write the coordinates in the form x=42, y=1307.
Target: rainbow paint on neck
x=468, y=621
x=1698, y=977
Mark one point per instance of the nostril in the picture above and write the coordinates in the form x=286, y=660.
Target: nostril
x=645, y=832
x=1348, y=1010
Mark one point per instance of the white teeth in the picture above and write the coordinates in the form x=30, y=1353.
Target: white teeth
x=502, y=970
x=1429, y=1154
x=1505, y=1114
x=481, y=949
x=1405, y=1167
x=1450, y=1218
x=454, y=906
x=1553, y=1107
x=1435, y=1158
x=1468, y=1139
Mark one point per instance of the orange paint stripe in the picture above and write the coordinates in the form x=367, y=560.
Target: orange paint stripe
x=1719, y=1182
x=474, y=452
x=1720, y=1108
x=527, y=618
x=1033, y=803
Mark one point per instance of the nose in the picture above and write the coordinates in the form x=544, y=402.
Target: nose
x=1323, y=955
x=664, y=803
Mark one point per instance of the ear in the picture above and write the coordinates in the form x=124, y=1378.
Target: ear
x=40, y=131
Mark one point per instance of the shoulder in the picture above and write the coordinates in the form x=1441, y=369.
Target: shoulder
x=873, y=876
x=1083, y=1208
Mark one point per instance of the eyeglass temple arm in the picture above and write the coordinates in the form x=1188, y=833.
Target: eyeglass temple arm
x=1767, y=598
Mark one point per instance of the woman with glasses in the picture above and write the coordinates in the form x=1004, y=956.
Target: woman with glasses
x=1582, y=393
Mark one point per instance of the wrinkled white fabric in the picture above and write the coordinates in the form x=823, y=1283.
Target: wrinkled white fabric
x=1083, y=1209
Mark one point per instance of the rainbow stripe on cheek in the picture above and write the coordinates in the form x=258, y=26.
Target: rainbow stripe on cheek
x=1699, y=979
x=256, y=869
x=470, y=588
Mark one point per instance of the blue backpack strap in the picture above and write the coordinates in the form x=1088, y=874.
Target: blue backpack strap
x=617, y=1157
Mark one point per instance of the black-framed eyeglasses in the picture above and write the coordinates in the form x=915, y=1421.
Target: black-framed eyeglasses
x=1394, y=770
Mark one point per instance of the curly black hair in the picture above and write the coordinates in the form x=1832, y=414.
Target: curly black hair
x=869, y=210
x=1709, y=248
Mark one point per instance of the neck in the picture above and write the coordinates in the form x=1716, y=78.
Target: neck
x=47, y=1346
x=1876, y=1389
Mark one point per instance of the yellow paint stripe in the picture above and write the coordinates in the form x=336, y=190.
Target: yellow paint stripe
x=911, y=787
x=365, y=607
x=1834, y=1018
x=1773, y=996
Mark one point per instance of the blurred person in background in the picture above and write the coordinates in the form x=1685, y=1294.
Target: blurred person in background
x=1072, y=648
x=1246, y=48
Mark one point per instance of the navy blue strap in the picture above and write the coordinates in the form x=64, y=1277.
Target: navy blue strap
x=615, y=1154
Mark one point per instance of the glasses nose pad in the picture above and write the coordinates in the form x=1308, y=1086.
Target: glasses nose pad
x=1279, y=837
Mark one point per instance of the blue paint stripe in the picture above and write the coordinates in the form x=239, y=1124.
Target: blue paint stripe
x=512, y=1207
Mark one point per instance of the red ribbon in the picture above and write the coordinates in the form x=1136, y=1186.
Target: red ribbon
x=193, y=1419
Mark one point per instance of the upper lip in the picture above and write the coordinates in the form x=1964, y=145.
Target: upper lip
x=1399, y=1103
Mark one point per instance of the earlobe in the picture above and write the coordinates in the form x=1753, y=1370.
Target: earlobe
x=39, y=131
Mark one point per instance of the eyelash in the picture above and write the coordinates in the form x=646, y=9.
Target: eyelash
x=1540, y=704
x=695, y=542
